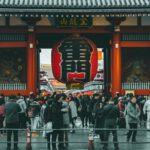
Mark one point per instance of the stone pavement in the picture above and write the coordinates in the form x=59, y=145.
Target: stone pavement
x=79, y=141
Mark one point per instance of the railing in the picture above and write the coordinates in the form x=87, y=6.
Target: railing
x=12, y=86
x=80, y=139
x=136, y=86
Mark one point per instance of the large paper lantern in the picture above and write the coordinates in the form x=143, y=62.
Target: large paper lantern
x=74, y=59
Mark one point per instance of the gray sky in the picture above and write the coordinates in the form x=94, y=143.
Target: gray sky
x=45, y=56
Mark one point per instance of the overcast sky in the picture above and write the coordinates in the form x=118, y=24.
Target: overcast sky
x=45, y=56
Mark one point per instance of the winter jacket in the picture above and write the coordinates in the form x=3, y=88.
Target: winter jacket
x=111, y=111
x=12, y=110
x=57, y=115
x=48, y=116
x=73, y=109
x=146, y=107
x=22, y=105
x=65, y=111
x=133, y=113
x=99, y=117
x=111, y=115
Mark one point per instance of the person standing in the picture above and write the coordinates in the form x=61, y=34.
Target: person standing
x=22, y=114
x=57, y=122
x=47, y=116
x=146, y=110
x=73, y=113
x=84, y=111
x=111, y=114
x=133, y=116
x=2, y=113
x=99, y=118
x=12, y=110
x=66, y=120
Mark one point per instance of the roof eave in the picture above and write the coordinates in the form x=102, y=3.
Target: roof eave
x=74, y=11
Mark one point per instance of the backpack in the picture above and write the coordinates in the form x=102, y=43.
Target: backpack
x=2, y=112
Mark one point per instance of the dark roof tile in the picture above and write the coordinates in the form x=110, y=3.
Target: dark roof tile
x=73, y=5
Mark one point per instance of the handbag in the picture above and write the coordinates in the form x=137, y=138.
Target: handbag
x=48, y=127
x=78, y=122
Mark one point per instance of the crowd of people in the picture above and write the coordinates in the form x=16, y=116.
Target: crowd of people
x=56, y=114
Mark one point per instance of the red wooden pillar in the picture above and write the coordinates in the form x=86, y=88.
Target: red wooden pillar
x=32, y=61
x=116, y=62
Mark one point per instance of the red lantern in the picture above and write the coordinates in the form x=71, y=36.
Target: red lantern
x=74, y=59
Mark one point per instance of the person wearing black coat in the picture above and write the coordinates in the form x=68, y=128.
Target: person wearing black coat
x=48, y=118
x=99, y=119
x=57, y=122
x=111, y=113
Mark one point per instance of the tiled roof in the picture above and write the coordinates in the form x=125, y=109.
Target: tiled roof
x=74, y=5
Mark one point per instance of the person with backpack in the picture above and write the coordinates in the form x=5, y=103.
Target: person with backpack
x=2, y=115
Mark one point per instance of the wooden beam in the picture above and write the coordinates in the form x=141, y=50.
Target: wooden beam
x=13, y=44
x=14, y=92
x=135, y=29
x=94, y=29
x=14, y=29
x=139, y=92
x=49, y=29
x=135, y=44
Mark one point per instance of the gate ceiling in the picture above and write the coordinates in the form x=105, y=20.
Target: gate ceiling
x=48, y=40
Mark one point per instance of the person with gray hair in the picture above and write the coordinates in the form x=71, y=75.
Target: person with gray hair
x=12, y=110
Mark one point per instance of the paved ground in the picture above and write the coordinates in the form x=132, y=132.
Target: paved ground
x=79, y=141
